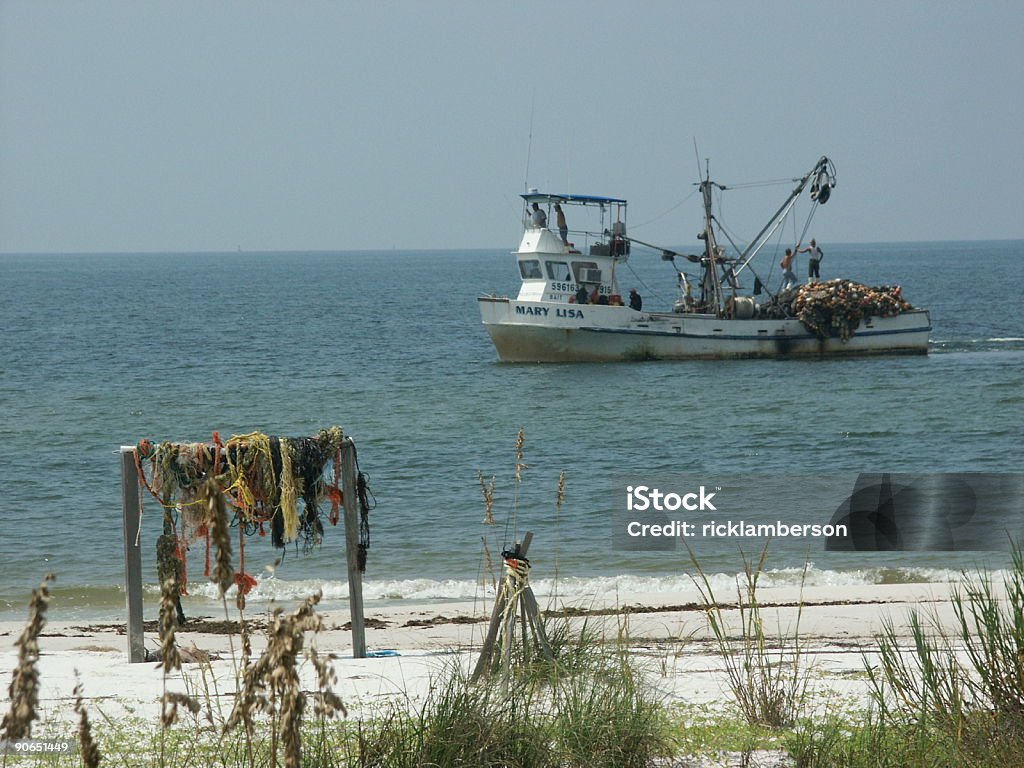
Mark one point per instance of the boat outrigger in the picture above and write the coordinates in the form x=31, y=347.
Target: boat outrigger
x=569, y=307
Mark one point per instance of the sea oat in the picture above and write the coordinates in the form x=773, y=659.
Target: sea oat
x=488, y=490
x=520, y=464
x=169, y=707
x=90, y=752
x=271, y=684
x=24, y=688
x=170, y=657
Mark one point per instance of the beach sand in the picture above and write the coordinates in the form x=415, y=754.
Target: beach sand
x=416, y=642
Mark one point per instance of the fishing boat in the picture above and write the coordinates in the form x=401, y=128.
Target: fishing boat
x=570, y=308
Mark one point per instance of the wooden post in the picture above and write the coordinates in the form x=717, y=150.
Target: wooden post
x=355, y=578
x=132, y=505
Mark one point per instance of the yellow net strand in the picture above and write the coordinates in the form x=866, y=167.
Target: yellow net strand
x=289, y=494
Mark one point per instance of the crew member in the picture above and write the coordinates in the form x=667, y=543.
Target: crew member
x=635, y=300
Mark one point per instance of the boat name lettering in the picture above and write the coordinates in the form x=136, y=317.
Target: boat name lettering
x=576, y=314
x=521, y=310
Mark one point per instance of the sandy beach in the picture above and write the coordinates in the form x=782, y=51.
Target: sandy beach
x=411, y=645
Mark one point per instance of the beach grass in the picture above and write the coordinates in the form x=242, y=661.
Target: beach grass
x=766, y=671
x=946, y=699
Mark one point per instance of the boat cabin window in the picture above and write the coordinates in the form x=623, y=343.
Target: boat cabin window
x=530, y=269
x=586, y=272
x=558, y=270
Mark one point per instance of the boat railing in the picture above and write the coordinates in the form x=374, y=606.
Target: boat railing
x=590, y=242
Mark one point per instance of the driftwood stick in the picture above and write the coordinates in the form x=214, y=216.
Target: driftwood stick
x=530, y=606
x=487, y=651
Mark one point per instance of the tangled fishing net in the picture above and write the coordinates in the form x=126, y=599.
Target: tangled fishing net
x=270, y=484
x=834, y=308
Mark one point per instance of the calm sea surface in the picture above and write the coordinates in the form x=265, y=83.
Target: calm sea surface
x=99, y=351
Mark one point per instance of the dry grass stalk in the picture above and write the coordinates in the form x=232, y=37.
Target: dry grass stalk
x=488, y=490
x=490, y=567
x=24, y=689
x=520, y=464
x=271, y=684
x=328, y=703
x=90, y=752
x=169, y=706
x=559, y=500
x=170, y=656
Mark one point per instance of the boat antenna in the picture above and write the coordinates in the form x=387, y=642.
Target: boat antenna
x=529, y=147
x=696, y=155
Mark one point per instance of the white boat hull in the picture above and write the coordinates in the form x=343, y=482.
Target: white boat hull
x=538, y=331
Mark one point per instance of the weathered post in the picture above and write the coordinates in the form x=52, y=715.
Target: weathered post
x=355, y=578
x=132, y=504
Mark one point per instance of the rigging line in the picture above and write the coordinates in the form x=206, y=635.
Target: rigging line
x=666, y=213
x=814, y=209
x=729, y=234
x=771, y=270
x=650, y=291
x=778, y=245
x=729, y=238
x=766, y=183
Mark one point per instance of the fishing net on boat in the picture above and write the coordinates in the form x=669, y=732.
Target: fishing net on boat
x=834, y=308
x=274, y=485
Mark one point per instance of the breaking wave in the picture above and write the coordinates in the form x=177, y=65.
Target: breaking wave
x=624, y=586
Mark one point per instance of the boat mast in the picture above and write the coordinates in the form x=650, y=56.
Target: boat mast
x=711, y=284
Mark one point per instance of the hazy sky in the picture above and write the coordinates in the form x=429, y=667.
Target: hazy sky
x=179, y=126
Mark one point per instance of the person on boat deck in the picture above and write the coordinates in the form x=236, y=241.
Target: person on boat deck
x=788, y=277
x=814, y=260
x=581, y=294
x=563, y=228
x=539, y=218
x=635, y=300
x=596, y=297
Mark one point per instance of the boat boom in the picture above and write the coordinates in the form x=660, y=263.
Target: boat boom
x=769, y=229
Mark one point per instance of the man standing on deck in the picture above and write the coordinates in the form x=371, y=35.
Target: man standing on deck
x=635, y=300
x=789, y=276
x=540, y=219
x=814, y=260
x=563, y=228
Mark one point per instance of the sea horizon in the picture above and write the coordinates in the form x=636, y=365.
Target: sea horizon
x=465, y=249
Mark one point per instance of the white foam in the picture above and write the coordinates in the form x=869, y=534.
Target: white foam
x=576, y=587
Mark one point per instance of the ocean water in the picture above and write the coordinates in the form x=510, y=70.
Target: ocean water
x=99, y=351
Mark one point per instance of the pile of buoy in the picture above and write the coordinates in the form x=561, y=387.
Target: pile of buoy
x=834, y=308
